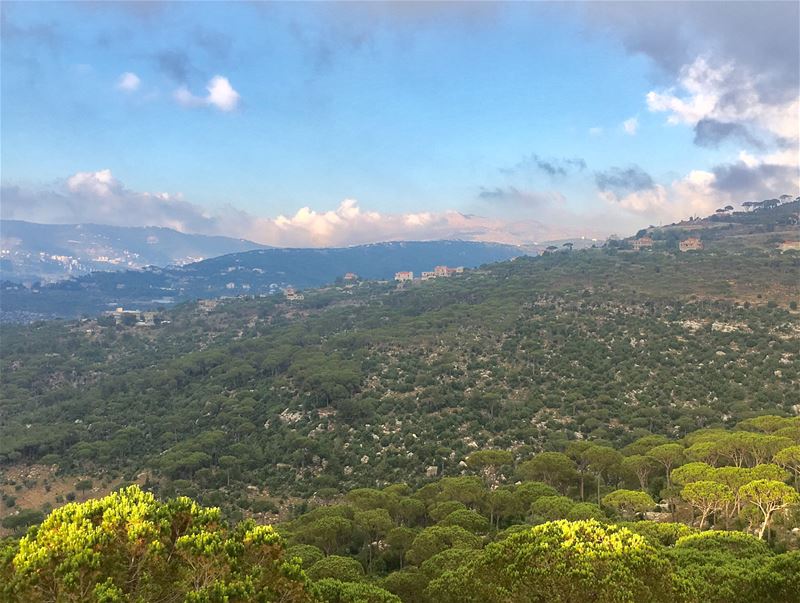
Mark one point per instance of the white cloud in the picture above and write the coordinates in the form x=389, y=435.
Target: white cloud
x=128, y=82
x=221, y=95
x=696, y=194
x=729, y=95
x=631, y=125
x=99, y=197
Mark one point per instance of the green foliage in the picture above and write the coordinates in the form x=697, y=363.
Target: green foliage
x=562, y=561
x=335, y=591
x=128, y=546
x=629, y=502
x=439, y=538
x=471, y=521
x=307, y=554
x=735, y=543
x=344, y=569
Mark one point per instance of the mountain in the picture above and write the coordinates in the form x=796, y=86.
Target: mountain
x=259, y=272
x=48, y=252
x=373, y=384
x=451, y=440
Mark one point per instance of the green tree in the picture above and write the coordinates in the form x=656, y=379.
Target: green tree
x=768, y=497
x=668, y=456
x=707, y=497
x=641, y=466
x=553, y=468
x=629, y=502
x=345, y=569
x=602, y=462
x=789, y=459
x=336, y=591
x=562, y=562
x=128, y=546
x=437, y=539
x=375, y=523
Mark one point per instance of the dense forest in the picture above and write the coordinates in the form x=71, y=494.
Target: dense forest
x=627, y=418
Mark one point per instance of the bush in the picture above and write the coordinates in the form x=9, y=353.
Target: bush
x=337, y=567
x=336, y=591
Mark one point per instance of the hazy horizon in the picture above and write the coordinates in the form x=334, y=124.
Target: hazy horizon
x=337, y=124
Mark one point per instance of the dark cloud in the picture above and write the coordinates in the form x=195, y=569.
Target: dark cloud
x=761, y=37
x=552, y=167
x=40, y=34
x=175, y=64
x=711, y=133
x=214, y=43
x=623, y=181
x=516, y=196
x=759, y=181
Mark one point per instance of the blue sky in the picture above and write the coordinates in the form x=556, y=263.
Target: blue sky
x=512, y=113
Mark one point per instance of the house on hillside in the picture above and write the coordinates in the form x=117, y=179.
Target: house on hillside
x=789, y=246
x=426, y=276
x=691, y=244
x=292, y=295
x=350, y=276
x=404, y=275
x=447, y=271
x=642, y=243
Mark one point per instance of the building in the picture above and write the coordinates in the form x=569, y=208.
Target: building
x=643, y=243
x=426, y=276
x=691, y=244
x=405, y=275
x=350, y=276
x=441, y=271
x=292, y=295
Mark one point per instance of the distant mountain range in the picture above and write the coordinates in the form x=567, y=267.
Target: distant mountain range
x=47, y=252
x=258, y=272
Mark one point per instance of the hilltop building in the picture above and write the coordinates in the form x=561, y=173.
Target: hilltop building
x=691, y=244
x=642, y=243
x=405, y=275
x=350, y=276
x=292, y=295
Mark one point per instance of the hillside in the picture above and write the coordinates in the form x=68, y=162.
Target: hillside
x=408, y=442
x=357, y=386
x=47, y=252
x=260, y=272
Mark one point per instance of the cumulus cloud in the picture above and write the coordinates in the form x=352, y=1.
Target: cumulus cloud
x=651, y=202
x=709, y=95
x=631, y=126
x=128, y=82
x=758, y=37
x=99, y=197
x=221, y=95
x=729, y=71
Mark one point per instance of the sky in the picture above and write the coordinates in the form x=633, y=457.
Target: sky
x=332, y=124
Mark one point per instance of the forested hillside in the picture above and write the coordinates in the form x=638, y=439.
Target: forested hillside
x=370, y=385
x=403, y=437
